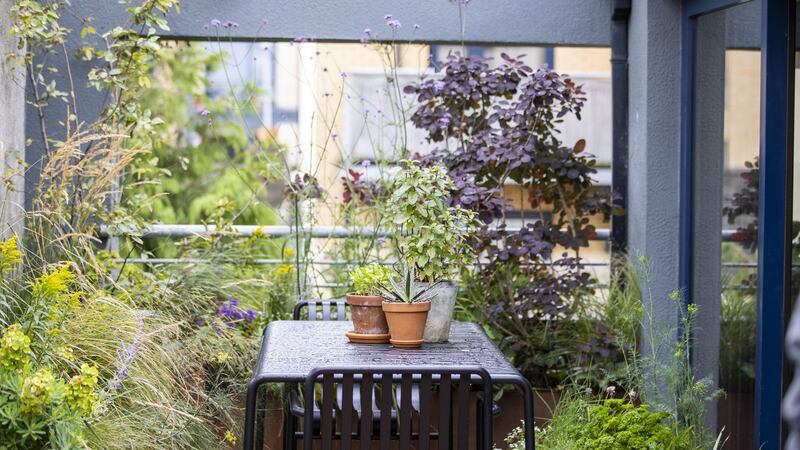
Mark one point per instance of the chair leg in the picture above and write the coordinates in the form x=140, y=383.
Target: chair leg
x=479, y=431
x=289, y=428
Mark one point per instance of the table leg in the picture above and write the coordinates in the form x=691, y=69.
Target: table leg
x=250, y=414
x=527, y=393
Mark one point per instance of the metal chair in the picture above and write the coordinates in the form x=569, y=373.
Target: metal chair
x=321, y=309
x=328, y=309
x=339, y=386
x=336, y=309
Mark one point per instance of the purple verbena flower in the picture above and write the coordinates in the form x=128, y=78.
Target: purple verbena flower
x=366, y=36
x=381, y=240
x=215, y=23
x=230, y=24
x=438, y=86
x=205, y=112
x=394, y=24
x=416, y=26
x=366, y=163
x=444, y=121
x=127, y=355
x=344, y=74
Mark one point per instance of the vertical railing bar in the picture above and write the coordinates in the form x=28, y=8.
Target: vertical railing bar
x=425, y=412
x=404, y=412
x=463, y=410
x=346, y=402
x=445, y=417
x=326, y=423
x=386, y=410
x=365, y=434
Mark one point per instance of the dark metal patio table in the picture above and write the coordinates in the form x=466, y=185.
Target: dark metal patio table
x=292, y=349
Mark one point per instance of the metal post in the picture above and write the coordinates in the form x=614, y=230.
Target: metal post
x=620, y=12
x=774, y=215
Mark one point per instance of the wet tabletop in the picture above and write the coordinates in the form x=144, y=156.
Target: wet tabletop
x=291, y=349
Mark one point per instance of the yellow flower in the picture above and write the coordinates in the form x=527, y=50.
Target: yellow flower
x=285, y=269
x=230, y=437
x=15, y=348
x=289, y=253
x=74, y=299
x=258, y=233
x=37, y=392
x=9, y=254
x=65, y=352
x=53, y=283
x=81, y=391
x=220, y=357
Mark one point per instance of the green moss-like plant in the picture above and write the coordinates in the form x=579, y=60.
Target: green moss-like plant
x=617, y=425
x=367, y=280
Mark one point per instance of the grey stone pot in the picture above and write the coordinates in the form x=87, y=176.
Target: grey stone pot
x=443, y=301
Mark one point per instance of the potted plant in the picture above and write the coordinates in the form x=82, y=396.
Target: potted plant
x=406, y=304
x=432, y=236
x=369, y=321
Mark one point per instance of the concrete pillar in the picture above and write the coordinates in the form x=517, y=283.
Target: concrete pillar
x=654, y=158
x=12, y=128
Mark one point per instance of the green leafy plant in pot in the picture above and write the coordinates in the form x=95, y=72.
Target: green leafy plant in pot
x=431, y=236
x=406, y=304
x=366, y=310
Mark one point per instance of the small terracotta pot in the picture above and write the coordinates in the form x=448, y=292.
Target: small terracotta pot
x=406, y=322
x=367, y=314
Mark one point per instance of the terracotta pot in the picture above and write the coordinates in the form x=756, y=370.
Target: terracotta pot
x=406, y=322
x=369, y=321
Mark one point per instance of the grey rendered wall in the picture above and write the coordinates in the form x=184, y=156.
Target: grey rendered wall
x=654, y=155
x=12, y=128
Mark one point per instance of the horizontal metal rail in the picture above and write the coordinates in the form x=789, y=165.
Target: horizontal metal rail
x=267, y=262
x=181, y=231
x=184, y=231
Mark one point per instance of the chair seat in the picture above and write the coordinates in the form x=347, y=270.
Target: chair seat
x=298, y=409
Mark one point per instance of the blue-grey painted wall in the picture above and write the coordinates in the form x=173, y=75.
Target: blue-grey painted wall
x=654, y=147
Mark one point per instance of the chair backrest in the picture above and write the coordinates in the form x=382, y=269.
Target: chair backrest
x=332, y=309
x=337, y=389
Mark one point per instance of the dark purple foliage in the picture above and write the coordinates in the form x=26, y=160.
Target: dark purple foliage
x=501, y=124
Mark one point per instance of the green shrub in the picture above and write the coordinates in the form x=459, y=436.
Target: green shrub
x=617, y=425
x=429, y=233
x=613, y=424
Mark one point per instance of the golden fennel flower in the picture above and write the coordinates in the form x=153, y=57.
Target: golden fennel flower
x=9, y=254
